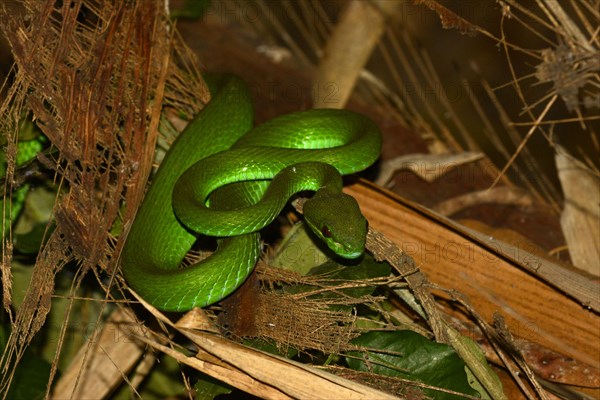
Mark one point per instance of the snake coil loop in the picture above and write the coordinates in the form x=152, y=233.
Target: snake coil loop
x=223, y=178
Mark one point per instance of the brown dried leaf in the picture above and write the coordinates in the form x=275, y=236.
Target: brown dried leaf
x=448, y=18
x=94, y=74
x=580, y=218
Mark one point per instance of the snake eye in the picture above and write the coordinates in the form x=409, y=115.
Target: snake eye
x=325, y=231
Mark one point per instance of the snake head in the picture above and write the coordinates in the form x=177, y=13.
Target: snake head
x=336, y=219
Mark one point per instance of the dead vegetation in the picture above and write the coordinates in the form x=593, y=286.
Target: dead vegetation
x=100, y=76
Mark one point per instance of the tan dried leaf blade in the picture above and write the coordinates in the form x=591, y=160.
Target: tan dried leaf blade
x=580, y=219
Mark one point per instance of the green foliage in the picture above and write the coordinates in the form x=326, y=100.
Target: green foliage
x=301, y=252
x=191, y=9
x=269, y=346
x=338, y=274
x=31, y=229
x=31, y=374
x=163, y=382
x=31, y=241
x=298, y=251
x=208, y=388
x=406, y=354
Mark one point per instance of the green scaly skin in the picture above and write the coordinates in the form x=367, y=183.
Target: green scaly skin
x=222, y=178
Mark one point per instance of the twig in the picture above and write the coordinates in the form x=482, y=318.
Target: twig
x=361, y=25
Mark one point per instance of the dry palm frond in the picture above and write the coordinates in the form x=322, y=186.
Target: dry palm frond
x=94, y=74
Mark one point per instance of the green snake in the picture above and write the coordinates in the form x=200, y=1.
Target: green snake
x=221, y=177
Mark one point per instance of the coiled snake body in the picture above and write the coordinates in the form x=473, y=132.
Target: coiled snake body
x=223, y=178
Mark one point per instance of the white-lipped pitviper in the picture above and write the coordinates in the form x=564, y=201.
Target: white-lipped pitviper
x=223, y=178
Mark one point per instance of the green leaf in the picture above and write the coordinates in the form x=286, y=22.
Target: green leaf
x=21, y=280
x=164, y=381
x=39, y=206
x=208, y=388
x=31, y=242
x=32, y=227
x=298, y=252
x=338, y=274
x=408, y=355
x=30, y=376
x=269, y=346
